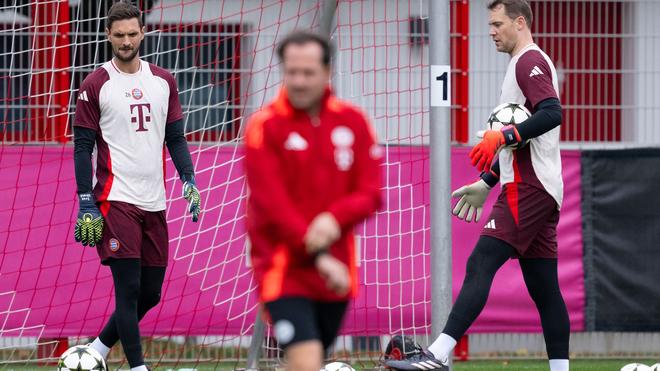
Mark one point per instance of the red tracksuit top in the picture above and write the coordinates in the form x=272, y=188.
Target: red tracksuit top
x=296, y=168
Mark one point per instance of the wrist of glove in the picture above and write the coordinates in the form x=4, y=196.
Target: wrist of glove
x=86, y=201
x=471, y=202
x=511, y=135
x=484, y=152
x=89, y=223
x=490, y=178
x=191, y=194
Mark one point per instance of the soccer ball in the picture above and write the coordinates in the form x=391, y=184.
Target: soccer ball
x=81, y=358
x=337, y=366
x=655, y=367
x=635, y=367
x=507, y=114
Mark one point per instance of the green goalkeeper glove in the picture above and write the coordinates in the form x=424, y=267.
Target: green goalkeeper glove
x=89, y=226
x=191, y=194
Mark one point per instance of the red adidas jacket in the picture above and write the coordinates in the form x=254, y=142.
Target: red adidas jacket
x=296, y=168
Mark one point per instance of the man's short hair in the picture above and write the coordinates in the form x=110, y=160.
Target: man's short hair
x=304, y=37
x=515, y=9
x=123, y=10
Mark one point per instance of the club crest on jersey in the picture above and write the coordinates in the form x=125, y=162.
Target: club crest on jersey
x=342, y=136
x=114, y=244
x=137, y=93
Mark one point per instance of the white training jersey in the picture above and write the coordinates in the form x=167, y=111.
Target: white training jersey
x=129, y=113
x=531, y=78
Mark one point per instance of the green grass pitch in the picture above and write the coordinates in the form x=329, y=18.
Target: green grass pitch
x=576, y=365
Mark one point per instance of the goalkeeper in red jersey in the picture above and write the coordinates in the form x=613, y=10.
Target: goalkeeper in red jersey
x=312, y=166
x=127, y=110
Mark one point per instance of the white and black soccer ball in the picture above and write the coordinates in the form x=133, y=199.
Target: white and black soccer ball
x=81, y=358
x=635, y=367
x=655, y=367
x=337, y=366
x=508, y=114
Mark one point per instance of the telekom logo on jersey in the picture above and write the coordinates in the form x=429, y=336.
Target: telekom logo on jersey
x=142, y=115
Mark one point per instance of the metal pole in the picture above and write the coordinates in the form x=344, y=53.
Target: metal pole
x=327, y=16
x=440, y=133
x=254, y=352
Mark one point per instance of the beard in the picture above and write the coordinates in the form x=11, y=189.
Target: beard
x=503, y=48
x=130, y=57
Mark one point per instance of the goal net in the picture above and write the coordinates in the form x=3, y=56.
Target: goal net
x=54, y=293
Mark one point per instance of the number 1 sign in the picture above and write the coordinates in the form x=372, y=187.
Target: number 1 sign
x=440, y=86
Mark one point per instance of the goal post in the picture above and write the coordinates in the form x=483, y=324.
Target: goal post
x=440, y=187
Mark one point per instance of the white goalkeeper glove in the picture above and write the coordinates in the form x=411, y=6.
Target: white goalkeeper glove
x=472, y=200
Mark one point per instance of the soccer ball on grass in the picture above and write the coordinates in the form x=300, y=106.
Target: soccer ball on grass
x=81, y=358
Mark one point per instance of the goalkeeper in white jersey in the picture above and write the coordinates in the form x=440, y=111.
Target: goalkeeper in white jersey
x=523, y=223
x=127, y=111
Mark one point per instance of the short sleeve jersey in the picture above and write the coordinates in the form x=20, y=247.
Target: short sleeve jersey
x=129, y=112
x=531, y=78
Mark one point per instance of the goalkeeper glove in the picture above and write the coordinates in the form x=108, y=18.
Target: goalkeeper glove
x=89, y=225
x=472, y=200
x=191, y=194
x=484, y=152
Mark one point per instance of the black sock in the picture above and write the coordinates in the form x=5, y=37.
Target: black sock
x=126, y=277
x=488, y=256
x=151, y=281
x=543, y=286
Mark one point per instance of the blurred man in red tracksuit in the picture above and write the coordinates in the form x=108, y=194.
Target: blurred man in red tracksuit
x=312, y=166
